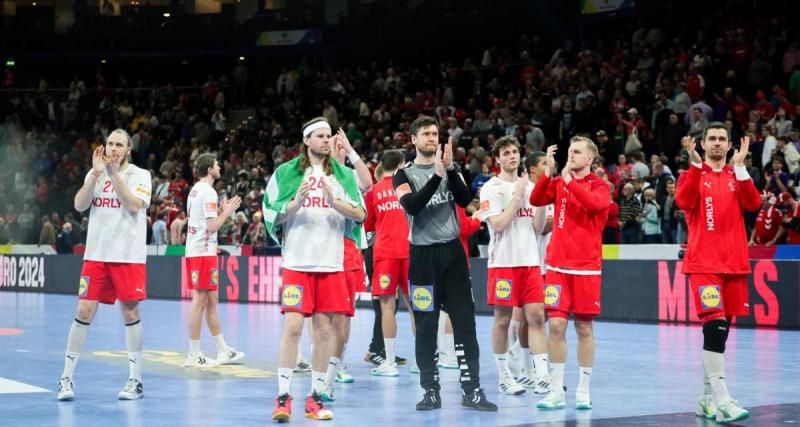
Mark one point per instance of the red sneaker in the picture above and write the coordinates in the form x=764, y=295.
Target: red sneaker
x=283, y=408
x=315, y=409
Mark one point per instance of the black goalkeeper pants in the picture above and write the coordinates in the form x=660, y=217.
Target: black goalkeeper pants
x=439, y=279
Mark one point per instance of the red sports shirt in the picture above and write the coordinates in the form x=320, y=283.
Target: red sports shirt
x=713, y=202
x=792, y=236
x=767, y=224
x=387, y=218
x=581, y=212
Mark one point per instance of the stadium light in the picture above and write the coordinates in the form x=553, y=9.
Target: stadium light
x=241, y=58
x=166, y=15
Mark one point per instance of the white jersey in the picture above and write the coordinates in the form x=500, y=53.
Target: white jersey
x=516, y=245
x=201, y=204
x=313, y=239
x=544, y=239
x=115, y=234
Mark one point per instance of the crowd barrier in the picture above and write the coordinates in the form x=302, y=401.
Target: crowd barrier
x=633, y=290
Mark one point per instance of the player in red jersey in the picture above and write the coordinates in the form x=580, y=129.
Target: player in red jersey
x=574, y=262
x=768, y=228
x=117, y=195
x=387, y=218
x=791, y=221
x=713, y=195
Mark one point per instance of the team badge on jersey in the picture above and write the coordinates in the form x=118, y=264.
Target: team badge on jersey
x=142, y=190
x=552, y=295
x=502, y=289
x=195, y=276
x=83, y=286
x=422, y=298
x=385, y=280
x=214, y=277
x=292, y=296
x=710, y=297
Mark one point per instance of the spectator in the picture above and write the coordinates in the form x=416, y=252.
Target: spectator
x=177, y=235
x=47, y=236
x=64, y=242
x=639, y=167
x=481, y=179
x=776, y=181
x=791, y=220
x=629, y=211
x=611, y=229
x=160, y=236
x=4, y=232
x=650, y=219
x=669, y=217
x=25, y=222
x=769, y=223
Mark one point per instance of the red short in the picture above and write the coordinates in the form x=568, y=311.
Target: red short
x=202, y=273
x=720, y=295
x=515, y=286
x=309, y=293
x=108, y=282
x=355, y=283
x=571, y=293
x=353, y=258
x=390, y=274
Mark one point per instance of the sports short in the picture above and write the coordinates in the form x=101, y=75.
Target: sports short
x=108, y=282
x=720, y=295
x=515, y=286
x=309, y=293
x=355, y=283
x=388, y=275
x=202, y=273
x=566, y=293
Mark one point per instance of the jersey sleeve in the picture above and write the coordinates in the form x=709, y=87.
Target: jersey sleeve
x=141, y=187
x=491, y=204
x=209, y=201
x=369, y=203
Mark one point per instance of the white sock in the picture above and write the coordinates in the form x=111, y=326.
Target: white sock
x=333, y=365
x=344, y=348
x=133, y=342
x=135, y=365
x=317, y=381
x=75, y=340
x=527, y=361
x=299, y=355
x=706, y=385
x=220, y=341
x=194, y=347
x=284, y=380
x=501, y=360
x=513, y=330
x=450, y=346
x=585, y=375
x=557, y=369
x=714, y=364
x=388, y=343
x=515, y=346
x=540, y=363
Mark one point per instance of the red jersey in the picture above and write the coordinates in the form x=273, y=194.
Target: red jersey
x=767, y=224
x=581, y=212
x=387, y=218
x=713, y=202
x=469, y=226
x=792, y=235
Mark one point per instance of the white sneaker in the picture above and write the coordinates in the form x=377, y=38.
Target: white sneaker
x=386, y=369
x=582, y=400
x=303, y=365
x=706, y=407
x=556, y=399
x=525, y=380
x=414, y=369
x=507, y=385
x=198, y=360
x=447, y=361
x=133, y=390
x=66, y=389
x=731, y=411
x=543, y=384
x=229, y=355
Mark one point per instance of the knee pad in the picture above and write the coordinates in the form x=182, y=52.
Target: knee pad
x=715, y=333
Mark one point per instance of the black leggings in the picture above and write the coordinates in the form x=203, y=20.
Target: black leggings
x=439, y=279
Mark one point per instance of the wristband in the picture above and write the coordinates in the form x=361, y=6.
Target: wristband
x=96, y=175
x=353, y=157
x=451, y=168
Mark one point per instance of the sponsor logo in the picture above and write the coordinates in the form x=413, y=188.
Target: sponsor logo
x=385, y=280
x=422, y=298
x=502, y=289
x=709, y=205
x=142, y=190
x=214, y=277
x=710, y=297
x=195, y=277
x=552, y=295
x=83, y=286
x=211, y=206
x=292, y=296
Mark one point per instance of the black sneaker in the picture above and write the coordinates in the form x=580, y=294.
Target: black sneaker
x=397, y=359
x=374, y=358
x=477, y=400
x=431, y=401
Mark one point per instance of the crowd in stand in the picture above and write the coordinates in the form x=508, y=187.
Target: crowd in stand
x=635, y=95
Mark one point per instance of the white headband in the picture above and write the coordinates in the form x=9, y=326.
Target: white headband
x=314, y=126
